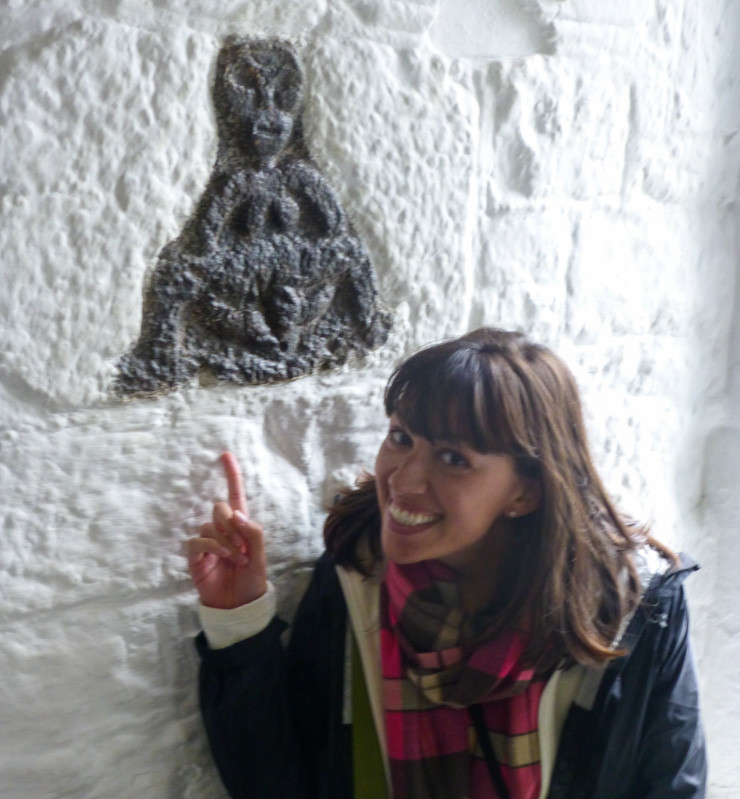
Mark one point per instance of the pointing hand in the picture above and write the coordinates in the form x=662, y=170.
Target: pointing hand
x=227, y=560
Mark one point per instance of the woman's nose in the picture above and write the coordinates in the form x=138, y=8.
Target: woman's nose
x=409, y=476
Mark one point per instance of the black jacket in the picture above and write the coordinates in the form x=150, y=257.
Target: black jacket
x=275, y=726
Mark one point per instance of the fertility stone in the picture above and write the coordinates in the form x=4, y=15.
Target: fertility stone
x=268, y=280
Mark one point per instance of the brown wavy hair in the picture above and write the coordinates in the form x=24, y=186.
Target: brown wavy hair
x=499, y=392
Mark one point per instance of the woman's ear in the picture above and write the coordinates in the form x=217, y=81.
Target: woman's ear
x=528, y=499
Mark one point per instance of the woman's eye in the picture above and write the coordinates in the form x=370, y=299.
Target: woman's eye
x=453, y=458
x=399, y=437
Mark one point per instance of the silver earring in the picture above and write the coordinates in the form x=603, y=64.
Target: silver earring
x=512, y=514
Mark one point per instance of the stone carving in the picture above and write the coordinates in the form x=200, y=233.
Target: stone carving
x=267, y=280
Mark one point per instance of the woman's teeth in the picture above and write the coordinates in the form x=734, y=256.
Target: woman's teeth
x=408, y=518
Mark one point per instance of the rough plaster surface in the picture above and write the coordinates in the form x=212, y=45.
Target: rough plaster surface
x=582, y=187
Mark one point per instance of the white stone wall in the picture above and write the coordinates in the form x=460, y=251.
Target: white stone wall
x=569, y=168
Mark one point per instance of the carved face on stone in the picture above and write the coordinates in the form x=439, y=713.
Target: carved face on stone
x=257, y=95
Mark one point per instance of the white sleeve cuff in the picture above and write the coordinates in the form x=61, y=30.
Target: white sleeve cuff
x=226, y=627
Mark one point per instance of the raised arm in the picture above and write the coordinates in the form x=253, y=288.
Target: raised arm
x=244, y=696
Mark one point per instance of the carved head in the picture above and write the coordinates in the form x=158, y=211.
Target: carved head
x=257, y=94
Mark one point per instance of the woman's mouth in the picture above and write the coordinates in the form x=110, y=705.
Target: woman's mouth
x=410, y=518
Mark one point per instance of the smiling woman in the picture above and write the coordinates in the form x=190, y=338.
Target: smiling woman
x=446, y=501
x=484, y=623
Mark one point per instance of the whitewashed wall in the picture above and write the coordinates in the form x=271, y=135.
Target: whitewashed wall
x=569, y=168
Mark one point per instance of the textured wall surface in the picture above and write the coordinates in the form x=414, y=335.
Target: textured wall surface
x=574, y=174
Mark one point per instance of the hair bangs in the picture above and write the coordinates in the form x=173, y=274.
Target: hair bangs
x=451, y=398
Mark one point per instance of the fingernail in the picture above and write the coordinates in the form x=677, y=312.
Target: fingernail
x=224, y=552
x=240, y=517
x=236, y=540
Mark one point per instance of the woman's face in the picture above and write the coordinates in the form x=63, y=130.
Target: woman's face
x=442, y=501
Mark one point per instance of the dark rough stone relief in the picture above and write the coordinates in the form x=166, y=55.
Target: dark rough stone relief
x=267, y=280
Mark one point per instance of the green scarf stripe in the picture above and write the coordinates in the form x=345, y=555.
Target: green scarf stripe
x=367, y=759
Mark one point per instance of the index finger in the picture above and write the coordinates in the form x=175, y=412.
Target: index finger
x=237, y=497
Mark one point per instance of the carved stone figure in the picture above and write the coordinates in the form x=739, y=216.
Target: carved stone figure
x=267, y=280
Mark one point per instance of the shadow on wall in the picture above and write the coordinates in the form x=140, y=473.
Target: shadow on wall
x=267, y=280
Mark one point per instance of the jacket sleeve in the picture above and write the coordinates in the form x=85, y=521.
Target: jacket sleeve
x=643, y=737
x=248, y=720
x=672, y=752
x=273, y=715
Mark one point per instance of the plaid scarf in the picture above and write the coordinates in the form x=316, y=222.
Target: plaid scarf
x=436, y=662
